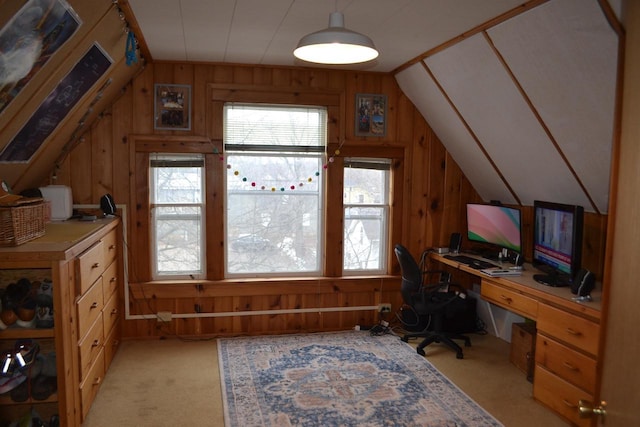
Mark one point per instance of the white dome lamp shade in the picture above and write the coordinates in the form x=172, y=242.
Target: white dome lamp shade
x=336, y=45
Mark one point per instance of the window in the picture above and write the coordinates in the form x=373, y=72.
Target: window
x=274, y=189
x=177, y=205
x=366, y=212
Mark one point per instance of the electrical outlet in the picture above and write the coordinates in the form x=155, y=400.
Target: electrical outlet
x=164, y=316
x=384, y=308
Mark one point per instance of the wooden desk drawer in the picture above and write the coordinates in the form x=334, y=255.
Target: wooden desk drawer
x=560, y=396
x=110, y=280
x=111, y=344
x=511, y=300
x=569, y=328
x=110, y=314
x=578, y=369
x=89, y=346
x=90, y=266
x=91, y=384
x=110, y=247
x=89, y=307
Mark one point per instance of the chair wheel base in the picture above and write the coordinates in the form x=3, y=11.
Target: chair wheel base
x=459, y=356
x=421, y=352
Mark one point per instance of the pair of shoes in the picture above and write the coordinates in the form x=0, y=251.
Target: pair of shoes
x=38, y=388
x=18, y=305
x=20, y=358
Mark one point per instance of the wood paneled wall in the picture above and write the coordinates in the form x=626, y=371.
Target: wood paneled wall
x=430, y=194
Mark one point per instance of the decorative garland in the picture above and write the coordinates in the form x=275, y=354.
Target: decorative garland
x=291, y=187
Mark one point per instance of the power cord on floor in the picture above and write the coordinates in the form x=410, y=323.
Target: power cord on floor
x=381, y=328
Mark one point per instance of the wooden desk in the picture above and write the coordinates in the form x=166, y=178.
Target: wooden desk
x=567, y=335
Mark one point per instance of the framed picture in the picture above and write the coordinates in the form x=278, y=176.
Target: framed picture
x=172, y=107
x=371, y=114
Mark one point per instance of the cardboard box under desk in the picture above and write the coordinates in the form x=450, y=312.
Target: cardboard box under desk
x=523, y=347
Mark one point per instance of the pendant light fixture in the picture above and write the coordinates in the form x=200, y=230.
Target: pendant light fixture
x=336, y=44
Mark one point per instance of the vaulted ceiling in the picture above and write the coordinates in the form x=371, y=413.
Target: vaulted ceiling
x=522, y=95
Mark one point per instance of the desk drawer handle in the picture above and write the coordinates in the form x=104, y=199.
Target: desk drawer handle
x=573, y=332
x=114, y=311
x=113, y=279
x=95, y=343
x=97, y=380
x=94, y=305
x=112, y=247
x=507, y=299
x=570, y=366
x=95, y=265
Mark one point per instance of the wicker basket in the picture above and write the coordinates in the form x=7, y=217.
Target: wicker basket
x=19, y=224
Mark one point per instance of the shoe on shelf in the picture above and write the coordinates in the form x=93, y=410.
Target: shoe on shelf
x=9, y=383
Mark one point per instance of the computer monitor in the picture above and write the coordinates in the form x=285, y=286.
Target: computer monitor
x=557, y=242
x=496, y=225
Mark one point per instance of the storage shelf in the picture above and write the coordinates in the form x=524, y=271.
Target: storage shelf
x=5, y=399
x=32, y=333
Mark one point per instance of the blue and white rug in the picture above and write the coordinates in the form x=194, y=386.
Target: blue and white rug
x=338, y=379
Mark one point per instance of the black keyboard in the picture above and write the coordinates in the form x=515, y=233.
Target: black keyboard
x=471, y=262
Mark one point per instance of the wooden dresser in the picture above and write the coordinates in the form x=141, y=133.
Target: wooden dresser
x=567, y=339
x=82, y=261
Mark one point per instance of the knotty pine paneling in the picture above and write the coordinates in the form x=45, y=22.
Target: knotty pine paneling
x=429, y=196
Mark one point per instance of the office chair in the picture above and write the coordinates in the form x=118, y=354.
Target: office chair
x=436, y=301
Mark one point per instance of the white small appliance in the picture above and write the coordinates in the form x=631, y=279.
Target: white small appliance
x=61, y=200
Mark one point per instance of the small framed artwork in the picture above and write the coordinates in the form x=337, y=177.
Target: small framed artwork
x=371, y=114
x=172, y=107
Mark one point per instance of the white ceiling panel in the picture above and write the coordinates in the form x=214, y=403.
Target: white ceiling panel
x=267, y=31
x=480, y=88
x=428, y=99
x=557, y=52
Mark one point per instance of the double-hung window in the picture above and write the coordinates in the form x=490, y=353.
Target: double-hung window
x=366, y=213
x=274, y=189
x=177, y=215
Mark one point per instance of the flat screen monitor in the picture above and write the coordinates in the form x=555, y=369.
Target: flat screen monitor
x=557, y=242
x=496, y=225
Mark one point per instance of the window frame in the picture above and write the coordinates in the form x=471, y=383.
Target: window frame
x=385, y=206
x=310, y=151
x=201, y=206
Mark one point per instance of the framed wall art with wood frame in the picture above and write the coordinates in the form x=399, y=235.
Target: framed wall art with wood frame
x=172, y=107
x=371, y=115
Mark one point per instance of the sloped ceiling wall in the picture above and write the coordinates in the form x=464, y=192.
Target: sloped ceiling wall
x=526, y=108
x=100, y=24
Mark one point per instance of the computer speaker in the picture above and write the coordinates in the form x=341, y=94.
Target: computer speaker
x=518, y=259
x=455, y=242
x=583, y=283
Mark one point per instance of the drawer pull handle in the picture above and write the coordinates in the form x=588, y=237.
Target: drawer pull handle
x=97, y=380
x=507, y=299
x=569, y=404
x=95, y=343
x=94, y=305
x=95, y=265
x=113, y=279
x=114, y=311
x=570, y=366
x=573, y=332
x=112, y=247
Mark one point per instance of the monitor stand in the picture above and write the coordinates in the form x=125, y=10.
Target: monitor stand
x=554, y=280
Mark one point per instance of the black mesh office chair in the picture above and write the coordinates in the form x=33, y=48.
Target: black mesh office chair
x=432, y=303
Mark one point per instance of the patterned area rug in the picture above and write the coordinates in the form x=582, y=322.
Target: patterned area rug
x=338, y=379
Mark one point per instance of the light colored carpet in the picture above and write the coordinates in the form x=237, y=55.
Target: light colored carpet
x=177, y=383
